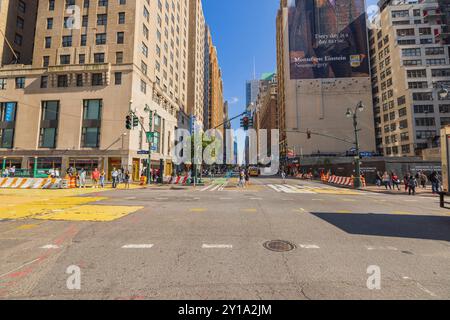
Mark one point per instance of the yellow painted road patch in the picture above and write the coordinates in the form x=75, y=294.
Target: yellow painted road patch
x=402, y=212
x=96, y=213
x=197, y=210
x=27, y=227
x=34, y=209
x=251, y=210
x=343, y=211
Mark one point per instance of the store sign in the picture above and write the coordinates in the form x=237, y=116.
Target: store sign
x=9, y=112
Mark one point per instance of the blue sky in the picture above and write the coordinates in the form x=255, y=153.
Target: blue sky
x=243, y=30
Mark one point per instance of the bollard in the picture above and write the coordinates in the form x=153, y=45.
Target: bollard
x=441, y=196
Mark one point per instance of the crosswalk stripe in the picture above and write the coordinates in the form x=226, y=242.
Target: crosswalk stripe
x=274, y=187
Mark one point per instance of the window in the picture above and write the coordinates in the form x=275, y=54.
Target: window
x=121, y=18
x=67, y=41
x=97, y=79
x=427, y=108
x=99, y=58
x=425, y=122
x=90, y=133
x=102, y=19
x=49, y=124
x=63, y=81
x=118, y=78
x=119, y=57
x=120, y=37
x=64, y=59
x=20, y=82
x=2, y=84
x=8, y=112
x=100, y=38
x=44, y=82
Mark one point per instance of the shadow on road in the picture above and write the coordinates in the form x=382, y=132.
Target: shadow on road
x=387, y=225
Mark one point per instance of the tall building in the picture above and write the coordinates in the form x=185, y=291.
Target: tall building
x=318, y=82
x=267, y=106
x=251, y=92
x=17, y=21
x=215, y=107
x=206, y=75
x=196, y=64
x=67, y=105
x=409, y=60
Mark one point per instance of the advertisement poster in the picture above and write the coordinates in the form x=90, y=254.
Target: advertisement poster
x=327, y=39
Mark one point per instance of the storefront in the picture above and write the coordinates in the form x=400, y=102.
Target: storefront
x=88, y=164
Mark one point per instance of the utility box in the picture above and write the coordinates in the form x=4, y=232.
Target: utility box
x=445, y=150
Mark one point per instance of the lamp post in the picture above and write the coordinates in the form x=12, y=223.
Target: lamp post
x=353, y=114
x=150, y=136
x=4, y=164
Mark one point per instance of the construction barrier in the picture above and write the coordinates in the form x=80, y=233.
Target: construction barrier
x=31, y=183
x=345, y=181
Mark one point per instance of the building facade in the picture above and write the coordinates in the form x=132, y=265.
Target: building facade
x=67, y=105
x=196, y=61
x=319, y=105
x=251, y=91
x=409, y=63
x=267, y=107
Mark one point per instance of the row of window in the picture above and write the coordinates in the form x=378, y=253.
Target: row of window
x=63, y=81
x=100, y=39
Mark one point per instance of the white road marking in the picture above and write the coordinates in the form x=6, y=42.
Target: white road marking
x=217, y=246
x=372, y=248
x=215, y=187
x=225, y=198
x=50, y=246
x=421, y=287
x=161, y=198
x=309, y=246
x=206, y=188
x=411, y=200
x=130, y=198
x=18, y=268
x=138, y=246
x=256, y=198
x=274, y=187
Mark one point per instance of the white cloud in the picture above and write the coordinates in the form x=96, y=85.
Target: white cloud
x=233, y=100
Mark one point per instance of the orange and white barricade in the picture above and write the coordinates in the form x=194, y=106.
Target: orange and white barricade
x=31, y=183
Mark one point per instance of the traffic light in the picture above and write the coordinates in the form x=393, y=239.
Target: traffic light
x=128, y=122
x=135, y=122
x=245, y=123
x=308, y=134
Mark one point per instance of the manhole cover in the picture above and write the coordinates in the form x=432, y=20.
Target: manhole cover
x=279, y=246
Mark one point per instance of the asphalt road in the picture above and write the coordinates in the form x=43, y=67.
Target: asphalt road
x=207, y=243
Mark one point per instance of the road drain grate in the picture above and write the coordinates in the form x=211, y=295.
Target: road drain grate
x=279, y=246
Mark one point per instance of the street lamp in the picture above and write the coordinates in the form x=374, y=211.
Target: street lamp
x=353, y=114
x=150, y=136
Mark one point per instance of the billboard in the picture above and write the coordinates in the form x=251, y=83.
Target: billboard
x=327, y=39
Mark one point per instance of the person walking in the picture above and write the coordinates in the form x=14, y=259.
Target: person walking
x=102, y=179
x=387, y=181
x=423, y=180
x=378, y=179
x=95, y=177
x=283, y=176
x=406, y=181
x=82, y=178
x=12, y=171
x=241, y=178
x=5, y=173
x=247, y=178
x=412, y=185
x=395, y=181
x=435, y=182
x=127, y=178
x=115, y=177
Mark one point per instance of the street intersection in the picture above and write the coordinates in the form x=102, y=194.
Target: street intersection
x=212, y=242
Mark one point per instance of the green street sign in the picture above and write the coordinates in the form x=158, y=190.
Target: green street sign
x=150, y=136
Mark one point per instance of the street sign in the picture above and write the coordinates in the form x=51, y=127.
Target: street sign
x=154, y=148
x=142, y=152
x=150, y=136
x=366, y=154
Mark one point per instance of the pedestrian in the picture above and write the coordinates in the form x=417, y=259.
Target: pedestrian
x=115, y=177
x=395, y=181
x=127, y=178
x=57, y=174
x=82, y=178
x=387, y=181
x=412, y=184
x=283, y=176
x=95, y=177
x=247, y=178
x=12, y=171
x=5, y=173
x=406, y=181
x=241, y=178
x=435, y=182
x=102, y=179
x=378, y=179
x=423, y=180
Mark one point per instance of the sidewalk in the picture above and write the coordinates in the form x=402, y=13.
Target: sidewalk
x=419, y=191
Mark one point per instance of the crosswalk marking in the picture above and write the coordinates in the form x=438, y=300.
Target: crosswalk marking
x=299, y=189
